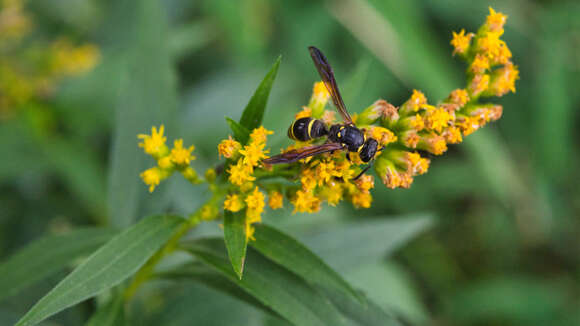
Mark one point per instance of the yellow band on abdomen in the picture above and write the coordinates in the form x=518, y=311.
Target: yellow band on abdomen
x=310, y=128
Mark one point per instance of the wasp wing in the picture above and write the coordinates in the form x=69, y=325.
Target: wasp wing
x=327, y=75
x=301, y=153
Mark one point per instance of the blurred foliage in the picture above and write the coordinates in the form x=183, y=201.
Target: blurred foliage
x=505, y=248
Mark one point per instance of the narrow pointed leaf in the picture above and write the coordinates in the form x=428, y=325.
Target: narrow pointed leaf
x=286, y=251
x=274, y=286
x=111, y=264
x=346, y=246
x=147, y=95
x=241, y=133
x=46, y=256
x=254, y=111
x=205, y=275
x=235, y=238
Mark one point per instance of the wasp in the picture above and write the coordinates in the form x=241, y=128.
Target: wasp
x=343, y=136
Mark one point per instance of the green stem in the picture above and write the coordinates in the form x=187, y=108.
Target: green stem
x=146, y=271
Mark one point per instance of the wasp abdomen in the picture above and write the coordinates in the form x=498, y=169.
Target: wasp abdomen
x=305, y=129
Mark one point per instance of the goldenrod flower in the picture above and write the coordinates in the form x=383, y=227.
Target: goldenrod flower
x=432, y=143
x=165, y=162
x=154, y=144
x=467, y=124
x=250, y=232
x=259, y=135
x=255, y=206
x=332, y=192
x=388, y=173
x=190, y=174
x=233, y=203
x=383, y=135
x=325, y=170
x=438, y=119
x=362, y=200
x=452, y=135
x=365, y=182
x=414, y=103
x=152, y=177
x=495, y=21
x=180, y=155
x=459, y=97
x=503, y=80
x=380, y=109
x=275, y=200
x=461, y=41
x=228, y=147
x=253, y=153
x=209, y=212
x=479, y=64
x=409, y=138
x=478, y=84
x=308, y=179
x=305, y=201
x=240, y=173
x=414, y=122
x=319, y=99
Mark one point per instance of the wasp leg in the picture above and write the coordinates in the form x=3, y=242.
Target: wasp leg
x=361, y=173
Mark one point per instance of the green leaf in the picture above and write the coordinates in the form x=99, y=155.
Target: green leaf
x=368, y=315
x=274, y=286
x=203, y=274
x=147, y=96
x=254, y=111
x=111, y=264
x=241, y=133
x=111, y=313
x=187, y=304
x=46, y=256
x=235, y=238
x=286, y=251
x=348, y=246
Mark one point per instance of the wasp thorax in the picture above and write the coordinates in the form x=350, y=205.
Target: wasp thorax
x=348, y=135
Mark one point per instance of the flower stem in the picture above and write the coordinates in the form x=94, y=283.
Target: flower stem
x=145, y=272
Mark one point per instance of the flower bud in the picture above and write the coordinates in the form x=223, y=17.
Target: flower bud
x=495, y=21
x=461, y=42
x=478, y=84
x=381, y=109
x=320, y=96
x=229, y=148
x=503, y=80
x=432, y=143
x=413, y=104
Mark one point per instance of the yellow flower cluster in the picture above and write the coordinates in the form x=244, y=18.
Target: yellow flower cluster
x=244, y=160
x=328, y=177
x=403, y=134
x=419, y=126
x=31, y=70
x=491, y=72
x=168, y=161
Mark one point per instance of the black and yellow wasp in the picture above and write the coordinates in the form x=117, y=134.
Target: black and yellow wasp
x=345, y=136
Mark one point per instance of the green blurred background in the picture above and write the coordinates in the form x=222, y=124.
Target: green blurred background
x=504, y=248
